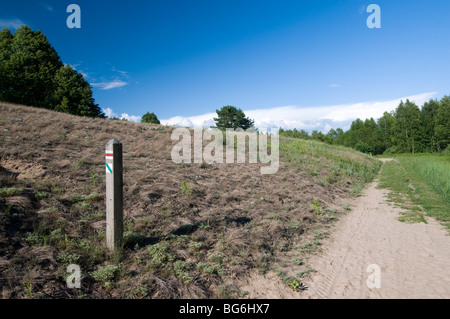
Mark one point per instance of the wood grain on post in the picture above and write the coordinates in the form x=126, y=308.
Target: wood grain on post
x=114, y=194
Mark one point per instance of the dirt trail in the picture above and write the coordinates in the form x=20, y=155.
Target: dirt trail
x=413, y=259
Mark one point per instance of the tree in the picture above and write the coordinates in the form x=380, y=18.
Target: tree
x=150, y=118
x=6, y=39
x=442, y=124
x=233, y=118
x=73, y=94
x=385, y=126
x=30, y=66
x=31, y=73
x=318, y=136
x=408, y=129
x=429, y=111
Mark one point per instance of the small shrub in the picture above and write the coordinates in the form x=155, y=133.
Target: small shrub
x=316, y=208
x=181, y=269
x=160, y=254
x=68, y=258
x=105, y=274
x=10, y=191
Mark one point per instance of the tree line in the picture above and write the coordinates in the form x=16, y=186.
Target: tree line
x=407, y=129
x=32, y=73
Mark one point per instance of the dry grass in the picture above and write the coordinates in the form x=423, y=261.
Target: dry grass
x=199, y=246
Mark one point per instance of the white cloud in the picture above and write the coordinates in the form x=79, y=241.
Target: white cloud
x=335, y=85
x=133, y=118
x=321, y=118
x=204, y=120
x=123, y=73
x=109, y=112
x=11, y=23
x=109, y=85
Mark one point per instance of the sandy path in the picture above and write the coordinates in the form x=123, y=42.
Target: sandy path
x=414, y=259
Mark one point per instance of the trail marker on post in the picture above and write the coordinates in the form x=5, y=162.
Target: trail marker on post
x=114, y=194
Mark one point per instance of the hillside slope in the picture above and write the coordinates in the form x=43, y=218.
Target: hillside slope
x=191, y=230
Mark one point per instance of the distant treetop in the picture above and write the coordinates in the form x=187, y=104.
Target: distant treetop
x=233, y=118
x=150, y=118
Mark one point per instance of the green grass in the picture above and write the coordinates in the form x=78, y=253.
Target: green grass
x=10, y=191
x=341, y=161
x=432, y=169
x=419, y=184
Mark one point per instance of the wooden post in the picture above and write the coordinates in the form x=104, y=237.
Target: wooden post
x=114, y=194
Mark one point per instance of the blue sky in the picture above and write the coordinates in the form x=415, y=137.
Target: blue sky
x=305, y=64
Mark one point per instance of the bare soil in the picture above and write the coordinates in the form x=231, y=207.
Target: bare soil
x=414, y=258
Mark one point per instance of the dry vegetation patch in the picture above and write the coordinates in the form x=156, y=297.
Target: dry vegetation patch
x=191, y=230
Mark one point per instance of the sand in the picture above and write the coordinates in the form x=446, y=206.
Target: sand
x=413, y=259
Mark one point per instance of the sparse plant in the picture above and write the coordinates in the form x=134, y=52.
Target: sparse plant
x=181, y=269
x=297, y=286
x=186, y=189
x=298, y=261
x=93, y=178
x=317, y=210
x=10, y=191
x=28, y=287
x=106, y=274
x=68, y=258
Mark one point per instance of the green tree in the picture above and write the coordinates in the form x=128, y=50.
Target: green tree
x=73, y=94
x=408, y=132
x=429, y=112
x=318, y=136
x=385, y=126
x=6, y=39
x=442, y=124
x=29, y=65
x=31, y=73
x=150, y=118
x=233, y=118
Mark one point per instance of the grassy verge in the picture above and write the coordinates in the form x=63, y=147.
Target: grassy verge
x=330, y=164
x=419, y=184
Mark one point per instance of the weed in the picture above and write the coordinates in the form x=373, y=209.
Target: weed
x=10, y=191
x=298, y=261
x=68, y=258
x=160, y=254
x=318, y=235
x=186, y=189
x=316, y=208
x=106, y=274
x=297, y=286
x=196, y=246
x=181, y=269
x=138, y=292
x=93, y=178
x=41, y=195
x=274, y=216
x=28, y=287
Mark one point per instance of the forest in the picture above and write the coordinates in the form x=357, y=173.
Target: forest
x=407, y=129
